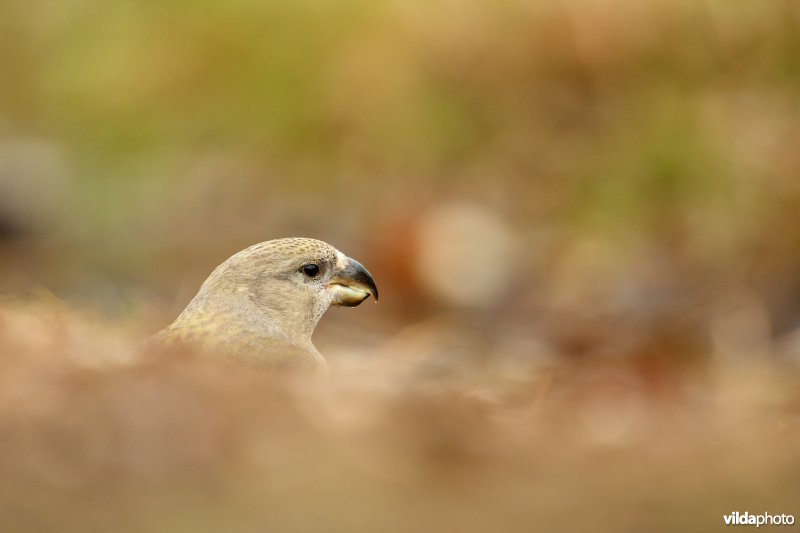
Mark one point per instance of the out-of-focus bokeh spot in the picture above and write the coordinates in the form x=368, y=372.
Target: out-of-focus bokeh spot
x=465, y=254
x=34, y=182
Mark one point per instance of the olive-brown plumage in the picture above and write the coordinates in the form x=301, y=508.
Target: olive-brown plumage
x=263, y=303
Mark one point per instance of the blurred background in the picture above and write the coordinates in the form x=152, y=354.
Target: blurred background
x=530, y=182
x=618, y=168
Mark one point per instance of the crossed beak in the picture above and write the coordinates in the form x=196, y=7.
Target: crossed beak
x=352, y=284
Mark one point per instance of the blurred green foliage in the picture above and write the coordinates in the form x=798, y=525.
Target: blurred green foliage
x=189, y=129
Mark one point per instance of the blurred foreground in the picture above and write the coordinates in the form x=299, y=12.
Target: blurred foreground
x=99, y=434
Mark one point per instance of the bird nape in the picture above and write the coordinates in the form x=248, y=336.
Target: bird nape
x=262, y=304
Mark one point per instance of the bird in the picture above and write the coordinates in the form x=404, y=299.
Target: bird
x=262, y=304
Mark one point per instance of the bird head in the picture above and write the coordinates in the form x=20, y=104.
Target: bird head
x=287, y=285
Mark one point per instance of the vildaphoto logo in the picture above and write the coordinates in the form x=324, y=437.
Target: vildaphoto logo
x=746, y=519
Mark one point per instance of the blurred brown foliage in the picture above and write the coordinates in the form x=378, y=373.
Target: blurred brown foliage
x=98, y=435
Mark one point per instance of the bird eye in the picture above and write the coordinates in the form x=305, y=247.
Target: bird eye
x=311, y=270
